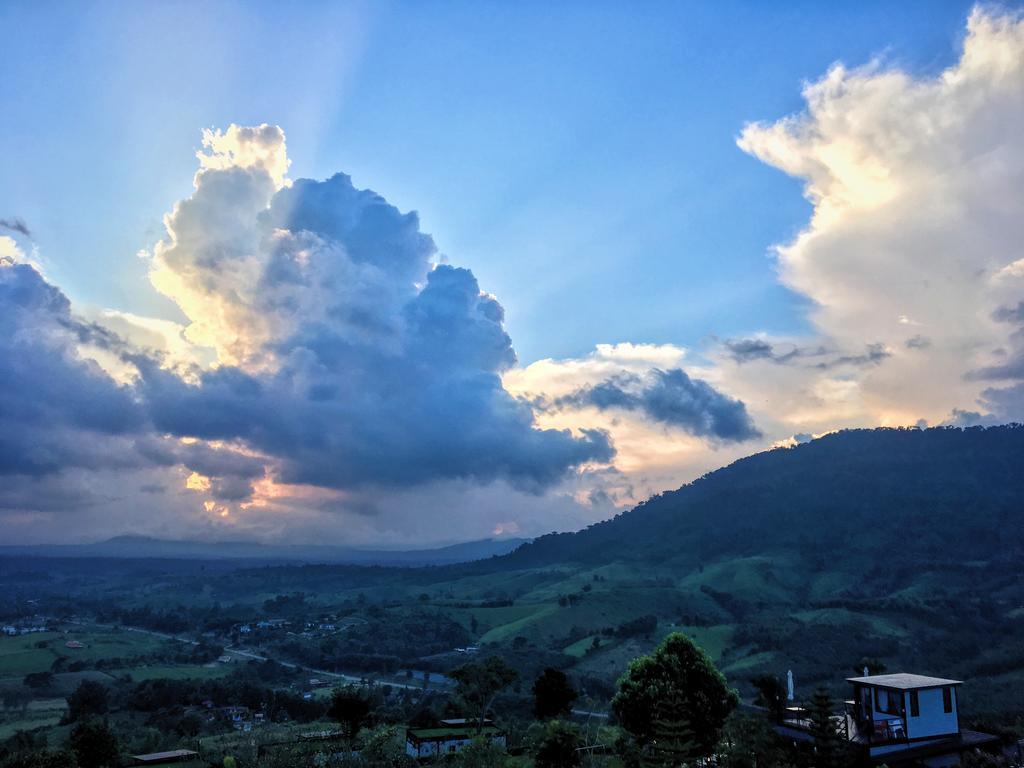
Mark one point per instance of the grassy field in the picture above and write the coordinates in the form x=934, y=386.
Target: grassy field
x=20, y=655
x=37, y=652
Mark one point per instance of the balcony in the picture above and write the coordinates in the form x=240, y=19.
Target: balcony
x=850, y=725
x=883, y=730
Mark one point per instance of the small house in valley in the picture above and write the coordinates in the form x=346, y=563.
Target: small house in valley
x=450, y=737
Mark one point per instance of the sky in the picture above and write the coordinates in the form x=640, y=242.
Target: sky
x=577, y=253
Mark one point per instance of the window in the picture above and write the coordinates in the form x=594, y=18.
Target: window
x=889, y=702
x=947, y=700
x=915, y=706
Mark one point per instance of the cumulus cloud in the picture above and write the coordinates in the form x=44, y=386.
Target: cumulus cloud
x=667, y=425
x=912, y=253
x=673, y=398
x=346, y=357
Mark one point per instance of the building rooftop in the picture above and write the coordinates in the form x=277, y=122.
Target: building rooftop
x=161, y=757
x=904, y=681
x=429, y=734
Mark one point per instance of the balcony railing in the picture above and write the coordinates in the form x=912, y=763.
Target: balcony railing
x=883, y=730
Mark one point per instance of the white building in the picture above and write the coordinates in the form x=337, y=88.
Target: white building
x=433, y=742
x=900, y=718
x=905, y=709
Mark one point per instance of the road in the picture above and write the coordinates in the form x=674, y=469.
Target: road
x=241, y=652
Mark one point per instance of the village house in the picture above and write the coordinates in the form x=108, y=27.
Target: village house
x=900, y=718
x=450, y=737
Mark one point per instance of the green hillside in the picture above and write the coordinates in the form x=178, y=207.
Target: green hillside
x=903, y=546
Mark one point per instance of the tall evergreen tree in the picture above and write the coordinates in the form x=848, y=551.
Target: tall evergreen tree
x=830, y=749
x=673, y=743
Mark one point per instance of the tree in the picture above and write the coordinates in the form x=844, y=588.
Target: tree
x=749, y=741
x=42, y=758
x=480, y=683
x=88, y=700
x=829, y=747
x=481, y=753
x=559, y=748
x=38, y=680
x=680, y=672
x=553, y=694
x=771, y=695
x=673, y=743
x=95, y=745
x=350, y=708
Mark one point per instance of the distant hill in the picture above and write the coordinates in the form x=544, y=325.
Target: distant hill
x=900, y=545
x=133, y=547
x=861, y=499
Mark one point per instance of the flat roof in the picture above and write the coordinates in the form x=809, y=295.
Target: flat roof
x=157, y=757
x=904, y=681
x=435, y=734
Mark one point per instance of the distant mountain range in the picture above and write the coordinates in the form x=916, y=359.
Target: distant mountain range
x=135, y=547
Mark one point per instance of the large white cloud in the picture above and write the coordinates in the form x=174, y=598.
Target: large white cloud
x=918, y=221
x=346, y=357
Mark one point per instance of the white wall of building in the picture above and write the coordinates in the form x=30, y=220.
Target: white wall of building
x=932, y=719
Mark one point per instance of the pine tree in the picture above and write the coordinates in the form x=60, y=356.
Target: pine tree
x=673, y=742
x=829, y=748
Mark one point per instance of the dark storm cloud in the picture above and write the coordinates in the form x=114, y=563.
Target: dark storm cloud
x=1010, y=314
x=60, y=411
x=670, y=397
x=1003, y=404
x=748, y=350
x=52, y=398
x=873, y=354
x=1013, y=368
x=384, y=370
x=918, y=342
x=15, y=225
x=745, y=350
x=340, y=416
x=1006, y=404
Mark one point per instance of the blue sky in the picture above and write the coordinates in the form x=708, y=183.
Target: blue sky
x=579, y=157
x=706, y=229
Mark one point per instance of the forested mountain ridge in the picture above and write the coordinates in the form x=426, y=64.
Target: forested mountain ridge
x=912, y=493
